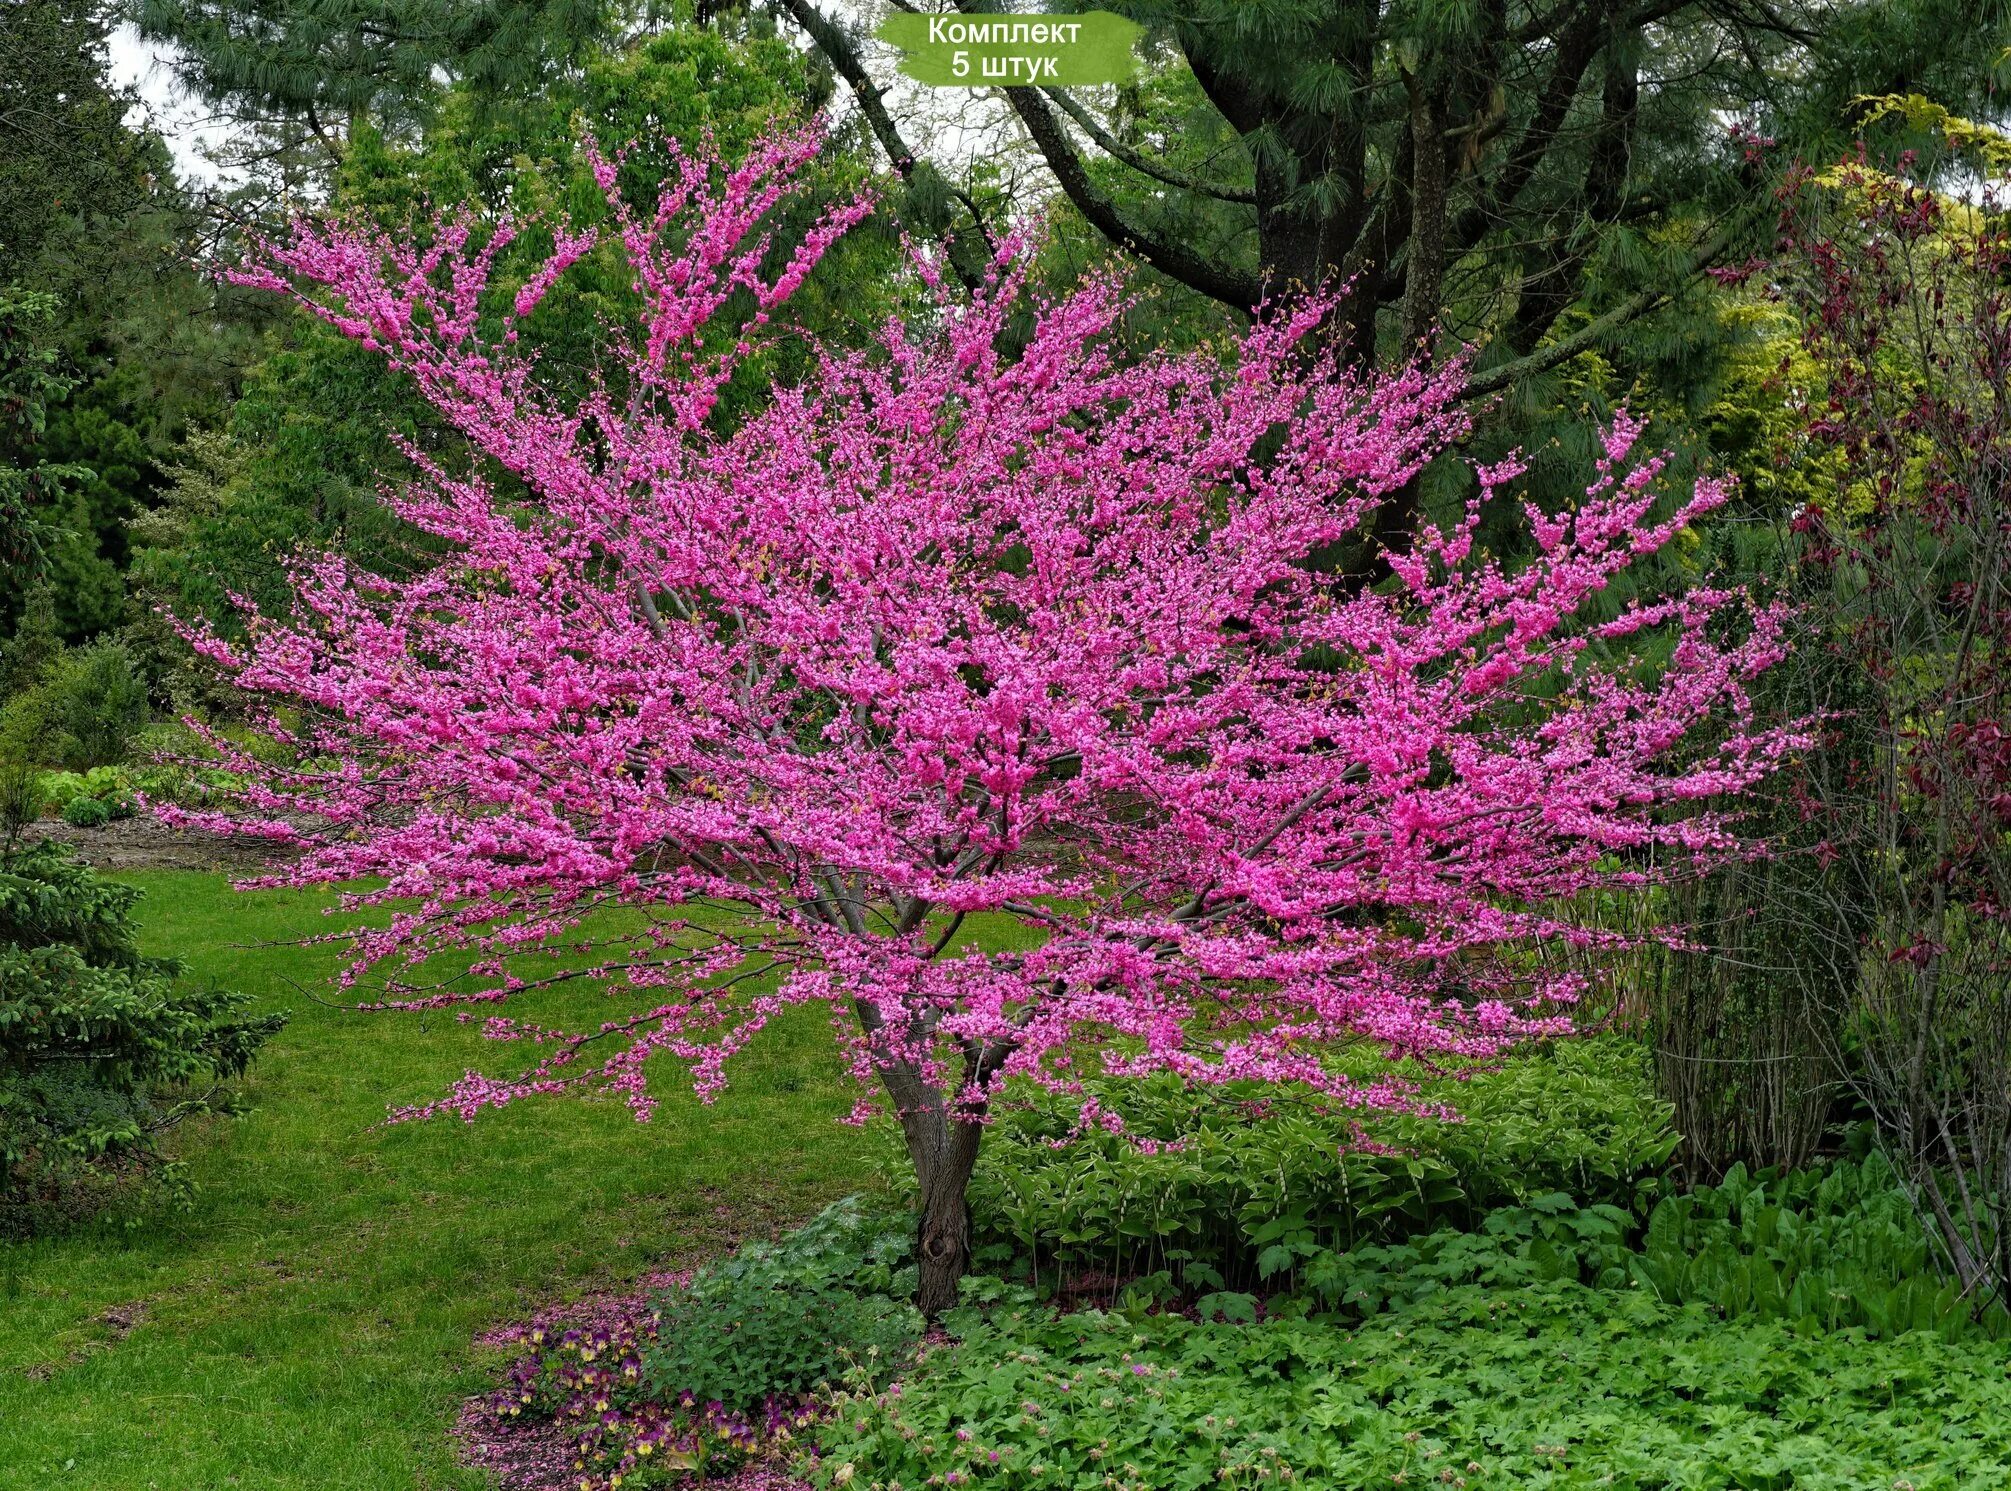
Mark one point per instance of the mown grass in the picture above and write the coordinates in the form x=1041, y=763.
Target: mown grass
x=310, y=1323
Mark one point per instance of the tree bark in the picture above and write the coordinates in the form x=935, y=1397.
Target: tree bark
x=942, y=1141
x=943, y=1233
x=945, y=1152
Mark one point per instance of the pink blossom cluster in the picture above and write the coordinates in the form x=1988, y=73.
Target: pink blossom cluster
x=986, y=620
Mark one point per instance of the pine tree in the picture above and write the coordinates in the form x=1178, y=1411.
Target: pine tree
x=1534, y=176
x=101, y=1049
x=330, y=66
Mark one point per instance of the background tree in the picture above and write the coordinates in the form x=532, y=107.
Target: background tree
x=30, y=484
x=314, y=72
x=97, y=236
x=1535, y=178
x=299, y=458
x=65, y=152
x=940, y=632
x=1909, y=324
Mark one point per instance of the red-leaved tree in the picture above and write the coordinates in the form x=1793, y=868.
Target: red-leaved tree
x=1905, y=293
x=946, y=629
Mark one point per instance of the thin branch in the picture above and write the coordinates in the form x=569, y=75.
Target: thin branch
x=1110, y=145
x=1594, y=333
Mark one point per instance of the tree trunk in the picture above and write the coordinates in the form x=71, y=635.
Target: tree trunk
x=945, y=1151
x=943, y=1233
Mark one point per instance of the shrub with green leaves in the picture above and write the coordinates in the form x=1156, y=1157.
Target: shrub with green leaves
x=101, y=701
x=83, y=710
x=1549, y=1384
x=1822, y=1248
x=90, y=799
x=1237, y=1181
x=171, y=764
x=101, y=1049
x=773, y=1321
x=106, y=783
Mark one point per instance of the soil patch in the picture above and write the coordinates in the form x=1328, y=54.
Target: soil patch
x=145, y=843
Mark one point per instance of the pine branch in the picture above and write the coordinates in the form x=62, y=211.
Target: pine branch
x=843, y=55
x=1170, y=258
x=1110, y=145
x=1595, y=332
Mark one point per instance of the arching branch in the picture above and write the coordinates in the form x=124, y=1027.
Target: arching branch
x=843, y=54
x=1598, y=331
x=1144, y=164
x=1172, y=259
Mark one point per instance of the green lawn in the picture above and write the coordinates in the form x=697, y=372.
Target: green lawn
x=309, y=1324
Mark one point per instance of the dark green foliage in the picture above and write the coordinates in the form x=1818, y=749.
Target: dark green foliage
x=64, y=147
x=775, y=1321
x=1821, y=1249
x=298, y=469
x=21, y=796
x=1535, y=178
x=101, y=702
x=1827, y=1249
x=331, y=62
x=100, y=1048
x=30, y=483
x=29, y=656
x=1548, y=1384
x=1260, y=1176
x=82, y=712
x=110, y=341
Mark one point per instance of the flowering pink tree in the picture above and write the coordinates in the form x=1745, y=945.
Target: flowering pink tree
x=945, y=631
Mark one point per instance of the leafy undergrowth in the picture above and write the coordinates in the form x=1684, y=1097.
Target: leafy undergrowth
x=710, y=1375
x=1235, y=1187
x=1553, y=1384
x=1765, y=1334
x=1276, y=1309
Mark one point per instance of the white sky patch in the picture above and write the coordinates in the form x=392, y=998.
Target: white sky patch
x=186, y=124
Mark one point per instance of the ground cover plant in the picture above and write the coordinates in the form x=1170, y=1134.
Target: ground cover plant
x=1775, y=1330
x=1549, y=1384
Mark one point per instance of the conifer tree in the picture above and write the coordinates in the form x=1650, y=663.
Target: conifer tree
x=330, y=65
x=1532, y=175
